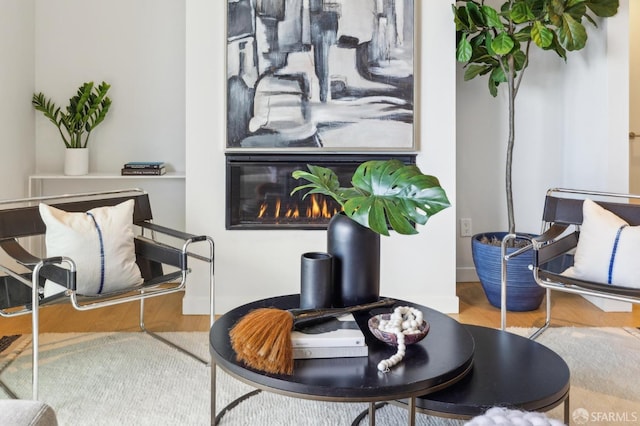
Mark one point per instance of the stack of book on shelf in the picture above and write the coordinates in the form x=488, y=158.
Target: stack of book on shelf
x=144, y=168
x=337, y=338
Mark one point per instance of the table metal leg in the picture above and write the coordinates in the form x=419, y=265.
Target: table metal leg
x=412, y=411
x=372, y=414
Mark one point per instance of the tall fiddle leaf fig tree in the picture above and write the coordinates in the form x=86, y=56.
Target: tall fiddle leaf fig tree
x=496, y=42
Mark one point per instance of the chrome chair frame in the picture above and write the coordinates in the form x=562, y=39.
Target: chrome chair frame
x=562, y=218
x=151, y=255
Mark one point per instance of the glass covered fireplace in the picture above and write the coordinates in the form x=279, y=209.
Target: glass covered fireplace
x=258, y=188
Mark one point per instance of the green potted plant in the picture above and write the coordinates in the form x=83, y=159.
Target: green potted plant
x=86, y=110
x=496, y=42
x=385, y=194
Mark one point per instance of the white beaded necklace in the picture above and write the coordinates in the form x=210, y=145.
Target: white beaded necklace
x=404, y=320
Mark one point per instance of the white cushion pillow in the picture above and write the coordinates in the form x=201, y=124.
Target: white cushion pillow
x=100, y=242
x=608, y=250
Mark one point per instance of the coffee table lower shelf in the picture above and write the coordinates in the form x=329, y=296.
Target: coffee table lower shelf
x=509, y=371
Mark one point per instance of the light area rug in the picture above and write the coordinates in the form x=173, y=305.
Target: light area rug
x=132, y=379
x=605, y=368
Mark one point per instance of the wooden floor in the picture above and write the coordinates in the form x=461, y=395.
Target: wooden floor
x=161, y=314
x=164, y=314
x=566, y=310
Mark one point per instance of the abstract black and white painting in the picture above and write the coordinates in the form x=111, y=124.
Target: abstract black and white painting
x=334, y=74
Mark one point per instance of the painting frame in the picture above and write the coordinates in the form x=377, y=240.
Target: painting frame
x=321, y=75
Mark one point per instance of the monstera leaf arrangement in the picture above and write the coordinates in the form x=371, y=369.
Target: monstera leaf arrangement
x=85, y=111
x=384, y=192
x=496, y=42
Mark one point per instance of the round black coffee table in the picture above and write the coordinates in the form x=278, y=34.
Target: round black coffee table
x=442, y=358
x=508, y=370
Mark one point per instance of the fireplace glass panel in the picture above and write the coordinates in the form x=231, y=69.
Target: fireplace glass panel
x=259, y=187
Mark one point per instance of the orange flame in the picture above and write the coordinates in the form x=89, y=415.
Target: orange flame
x=315, y=208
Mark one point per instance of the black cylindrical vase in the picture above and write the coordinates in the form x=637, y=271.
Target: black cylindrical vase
x=356, y=261
x=316, y=280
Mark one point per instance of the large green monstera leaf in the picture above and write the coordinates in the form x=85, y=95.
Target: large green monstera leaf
x=384, y=193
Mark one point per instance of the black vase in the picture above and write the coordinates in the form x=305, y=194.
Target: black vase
x=316, y=280
x=356, y=261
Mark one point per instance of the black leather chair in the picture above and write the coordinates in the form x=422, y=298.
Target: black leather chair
x=554, y=249
x=162, y=254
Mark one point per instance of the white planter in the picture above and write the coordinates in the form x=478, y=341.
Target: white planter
x=76, y=161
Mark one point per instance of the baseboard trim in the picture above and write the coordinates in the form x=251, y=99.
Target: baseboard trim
x=195, y=305
x=609, y=305
x=466, y=274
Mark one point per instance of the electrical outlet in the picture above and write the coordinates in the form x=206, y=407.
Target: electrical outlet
x=465, y=227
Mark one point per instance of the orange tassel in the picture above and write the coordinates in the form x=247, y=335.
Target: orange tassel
x=262, y=340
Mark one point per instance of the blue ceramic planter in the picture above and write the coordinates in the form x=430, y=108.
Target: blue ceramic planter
x=523, y=293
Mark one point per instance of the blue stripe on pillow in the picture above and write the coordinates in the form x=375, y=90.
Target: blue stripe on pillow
x=101, y=252
x=613, y=253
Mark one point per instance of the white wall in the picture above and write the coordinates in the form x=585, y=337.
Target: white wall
x=634, y=96
x=596, y=110
x=16, y=89
x=571, y=131
x=142, y=48
x=139, y=48
x=256, y=264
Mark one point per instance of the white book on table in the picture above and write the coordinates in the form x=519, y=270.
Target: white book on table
x=339, y=332
x=330, y=352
